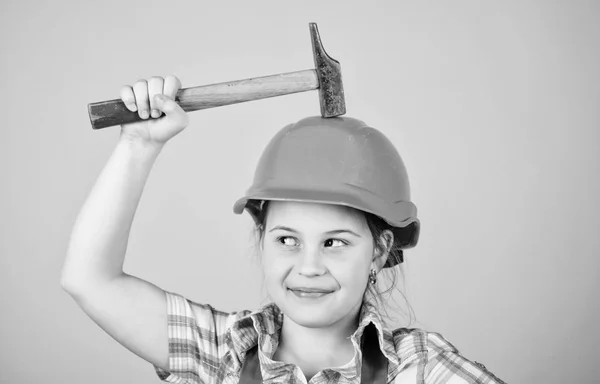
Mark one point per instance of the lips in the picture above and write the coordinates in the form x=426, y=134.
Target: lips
x=309, y=293
x=310, y=290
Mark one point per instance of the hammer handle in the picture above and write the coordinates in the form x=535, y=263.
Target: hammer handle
x=114, y=112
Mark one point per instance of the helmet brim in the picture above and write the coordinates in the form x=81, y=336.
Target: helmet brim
x=403, y=213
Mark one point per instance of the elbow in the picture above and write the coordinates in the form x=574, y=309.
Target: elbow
x=70, y=282
x=76, y=288
x=67, y=284
x=77, y=283
x=73, y=275
x=68, y=275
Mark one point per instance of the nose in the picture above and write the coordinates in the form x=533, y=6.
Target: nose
x=310, y=262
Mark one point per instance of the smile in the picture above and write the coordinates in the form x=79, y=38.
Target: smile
x=307, y=293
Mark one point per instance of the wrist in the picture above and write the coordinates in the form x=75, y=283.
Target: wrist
x=140, y=146
x=138, y=153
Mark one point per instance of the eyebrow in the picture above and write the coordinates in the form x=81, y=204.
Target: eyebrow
x=334, y=232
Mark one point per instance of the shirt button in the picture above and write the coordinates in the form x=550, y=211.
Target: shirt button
x=480, y=365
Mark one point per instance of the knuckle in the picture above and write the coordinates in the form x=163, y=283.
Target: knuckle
x=140, y=86
x=155, y=80
x=126, y=93
x=171, y=78
x=174, y=80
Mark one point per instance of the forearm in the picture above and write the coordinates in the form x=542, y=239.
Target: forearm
x=98, y=242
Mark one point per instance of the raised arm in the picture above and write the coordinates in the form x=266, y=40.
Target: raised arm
x=131, y=310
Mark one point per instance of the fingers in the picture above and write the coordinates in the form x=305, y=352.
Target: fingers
x=142, y=97
x=155, y=87
x=172, y=86
x=173, y=110
x=128, y=98
x=140, y=90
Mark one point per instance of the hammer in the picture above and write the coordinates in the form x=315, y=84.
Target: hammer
x=326, y=77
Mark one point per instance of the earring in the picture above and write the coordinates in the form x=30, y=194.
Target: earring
x=373, y=276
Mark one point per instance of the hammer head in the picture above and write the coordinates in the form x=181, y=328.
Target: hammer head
x=331, y=89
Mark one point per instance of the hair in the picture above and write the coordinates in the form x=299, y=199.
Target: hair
x=258, y=209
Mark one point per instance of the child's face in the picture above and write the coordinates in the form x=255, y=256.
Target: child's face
x=314, y=273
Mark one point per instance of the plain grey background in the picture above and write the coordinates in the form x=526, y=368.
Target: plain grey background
x=494, y=107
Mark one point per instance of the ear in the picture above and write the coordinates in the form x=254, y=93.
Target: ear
x=382, y=249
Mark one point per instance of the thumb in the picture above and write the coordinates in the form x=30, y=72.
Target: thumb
x=170, y=108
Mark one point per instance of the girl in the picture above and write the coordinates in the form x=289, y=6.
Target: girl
x=332, y=208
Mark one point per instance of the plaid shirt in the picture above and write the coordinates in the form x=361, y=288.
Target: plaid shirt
x=208, y=346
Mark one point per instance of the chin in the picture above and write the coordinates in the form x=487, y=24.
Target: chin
x=311, y=313
x=312, y=318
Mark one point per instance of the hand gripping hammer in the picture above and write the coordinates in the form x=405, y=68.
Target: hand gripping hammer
x=326, y=77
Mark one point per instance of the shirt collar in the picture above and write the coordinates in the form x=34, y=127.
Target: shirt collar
x=263, y=327
x=370, y=314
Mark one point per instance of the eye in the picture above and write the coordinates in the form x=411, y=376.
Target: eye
x=287, y=241
x=335, y=243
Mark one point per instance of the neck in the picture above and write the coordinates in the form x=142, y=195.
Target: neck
x=314, y=349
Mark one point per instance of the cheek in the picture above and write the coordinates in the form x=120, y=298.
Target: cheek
x=352, y=275
x=353, y=269
x=274, y=267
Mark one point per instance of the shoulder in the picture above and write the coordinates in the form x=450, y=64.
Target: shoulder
x=244, y=324
x=183, y=310
x=410, y=341
x=438, y=360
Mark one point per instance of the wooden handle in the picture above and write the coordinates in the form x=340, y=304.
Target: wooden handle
x=113, y=112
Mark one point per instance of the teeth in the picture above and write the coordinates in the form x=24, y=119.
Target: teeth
x=310, y=294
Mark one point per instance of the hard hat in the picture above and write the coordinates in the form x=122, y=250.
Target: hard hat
x=339, y=161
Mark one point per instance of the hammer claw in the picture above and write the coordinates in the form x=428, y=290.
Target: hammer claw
x=329, y=73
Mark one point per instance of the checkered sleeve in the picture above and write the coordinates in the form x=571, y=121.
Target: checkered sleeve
x=445, y=365
x=196, y=341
